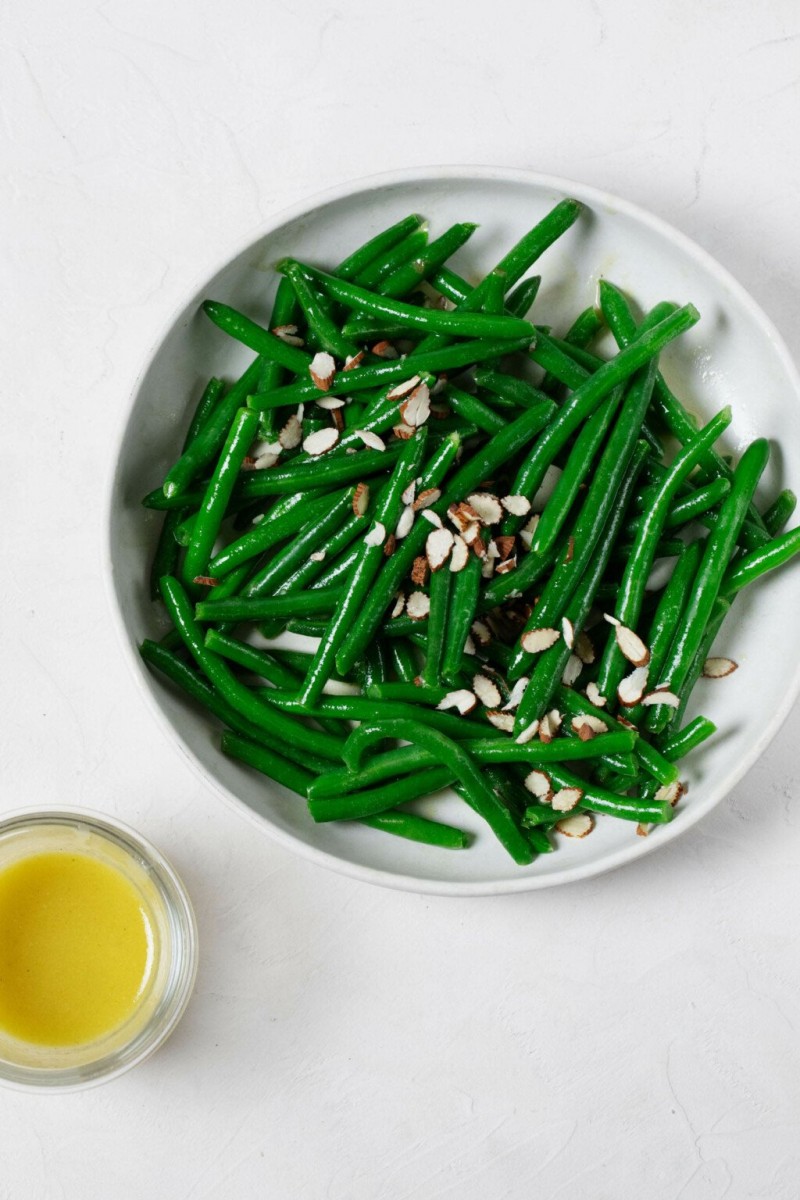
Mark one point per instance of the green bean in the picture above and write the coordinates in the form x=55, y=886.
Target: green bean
x=210, y=439
x=362, y=708
x=218, y=493
x=716, y=557
x=575, y=705
x=508, y=391
x=378, y=246
x=285, y=311
x=237, y=694
x=303, y=475
x=718, y=614
x=255, y=337
x=520, y=300
x=462, y=613
x=678, y=744
x=327, y=333
x=689, y=507
x=474, y=410
x=261, y=608
x=779, y=512
x=358, y=805
x=452, y=324
x=600, y=800
x=758, y=562
x=268, y=762
x=402, y=655
x=639, y=565
x=457, y=762
x=259, y=661
x=440, y=620
x=415, y=691
x=419, y=829
x=583, y=329
x=299, y=509
x=382, y=269
x=429, y=259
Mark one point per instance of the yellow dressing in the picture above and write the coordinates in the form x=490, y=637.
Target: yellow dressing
x=75, y=948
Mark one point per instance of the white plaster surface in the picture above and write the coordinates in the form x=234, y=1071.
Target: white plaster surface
x=630, y=1037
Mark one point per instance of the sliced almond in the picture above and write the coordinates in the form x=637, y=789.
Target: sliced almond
x=418, y=606
x=516, y=694
x=626, y=724
x=405, y=522
x=505, y=544
x=593, y=695
x=487, y=568
x=472, y=535
x=438, y=545
x=501, y=720
x=539, y=785
x=463, y=700
x=402, y=389
x=420, y=571
x=584, y=648
x=568, y=632
x=370, y=439
x=376, y=535
x=505, y=568
x=642, y=830
x=480, y=630
x=291, y=434
x=469, y=646
x=486, y=506
x=528, y=530
x=631, y=646
x=409, y=493
x=361, y=499
x=321, y=441
x=661, y=696
x=546, y=488
x=399, y=604
x=403, y=432
x=206, y=580
x=267, y=459
x=389, y=545
x=718, y=668
x=576, y=826
x=460, y=554
x=384, y=349
x=288, y=334
x=416, y=409
x=318, y=555
x=612, y=620
x=671, y=792
x=329, y=403
x=537, y=640
x=354, y=360
x=426, y=498
x=338, y=419
x=463, y=516
x=570, y=550
x=493, y=550
x=632, y=687
x=571, y=671
x=587, y=726
x=518, y=506
x=549, y=725
x=322, y=369
x=527, y=734
x=565, y=799
x=486, y=691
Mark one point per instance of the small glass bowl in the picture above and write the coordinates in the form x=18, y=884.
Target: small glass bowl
x=171, y=978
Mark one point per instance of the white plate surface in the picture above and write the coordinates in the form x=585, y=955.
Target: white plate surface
x=733, y=356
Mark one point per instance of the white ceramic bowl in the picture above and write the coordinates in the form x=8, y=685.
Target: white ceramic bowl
x=733, y=356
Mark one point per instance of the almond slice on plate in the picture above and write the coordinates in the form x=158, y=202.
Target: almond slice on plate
x=576, y=826
x=718, y=668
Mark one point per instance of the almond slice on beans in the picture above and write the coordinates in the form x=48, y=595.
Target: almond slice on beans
x=546, y=488
x=626, y=724
x=330, y=402
x=565, y=799
x=417, y=408
x=267, y=459
x=537, y=640
x=206, y=580
x=549, y=725
x=433, y=517
x=539, y=785
x=501, y=720
x=322, y=370
x=403, y=432
x=486, y=691
x=463, y=516
x=662, y=696
x=318, y=555
x=528, y=530
x=480, y=629
x=410, y=492
x=594, y=696
x=518, y=506
x=426, y=498
x=402, y=389
x=572, y=670
x=671, y=792
x=370, y=439
x=354, y=360
x=405, y=522
x=288, y=334
x=418, y=606
x=527, y=734
x=376, y=535
x=486, y=506
x=420, y=571
x=568, y=632
x=718, y=668
x=321, y=441
x=438, y=545
x=291, y=434
x=632, y=646
x=632, y=687
x=361, y=499
x=469, y=646
x=587, y=726
x=584, y=648
x=460, y=554
x=505, y=568
x=385, y=349
x=505, y=544
x=516, y=694
x=463, y=700
x=399, y=604
x=389, y=545
x=576, y=826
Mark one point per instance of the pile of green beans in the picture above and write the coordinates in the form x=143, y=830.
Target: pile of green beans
x=464, y=509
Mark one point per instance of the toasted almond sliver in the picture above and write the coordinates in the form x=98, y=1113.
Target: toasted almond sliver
x=361, y=499
x=718, y=668
x=410, y=492
x=402, y=389
x=516, y=694
x=527, y=734
x=384, y=349
x=426, y=498
x=539, y=785
x=506, y=545
x=318, y=556
x=399, y=604
x=389, y=545
x=330, y=402
x=593, y=695
x=632, y=646
x=576, y=826
x=505, y=568
x=626, y=724
x=288, y=334
x=370, y=439
x=354, y=360
x=518, y=506
x=376, y=535
x=549, y=725
x=292, y=433
x=632, y=688
x=586, y=726
x=662, y=696
x=438, y=545
x=420, y=571
x=433, y=517
x=528, y=530
x=571, y=671
x=501, y=720
x=460, y=554
x=321, y=441
x=463, y=516
x=403, y=432
x=568, y=632
x=584, y=648
x=612, y=620
x=537, y=640
x=463, y=700
x=416, y=409
x=418, y=606
x=480, y=629
x=469, y=646
x=565, y=799
x=322, y=369
x=487, y=507
x=551, y=478
x=671, y=791
x=486, y=691
x=268, y=459
x=405, y=522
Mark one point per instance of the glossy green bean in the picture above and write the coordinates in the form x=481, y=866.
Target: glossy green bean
x=600, y=800
x=383, y=268
x=441, y=617
x=300, y=510
x=262, y=608
x=752, y=566
x=283, y=770
x=680, y=743
x=463, y=610
x=419, y=829
x=779, y=512
x=474, y=410
x=427, y=261
x=520, y=300
x=378, y=246
x=574, y=705
x=357, y=805
x=327, y=334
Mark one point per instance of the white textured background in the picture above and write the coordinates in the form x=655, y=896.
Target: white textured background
x=632, y=1037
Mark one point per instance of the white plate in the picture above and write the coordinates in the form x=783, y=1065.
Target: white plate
x=733, y=356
